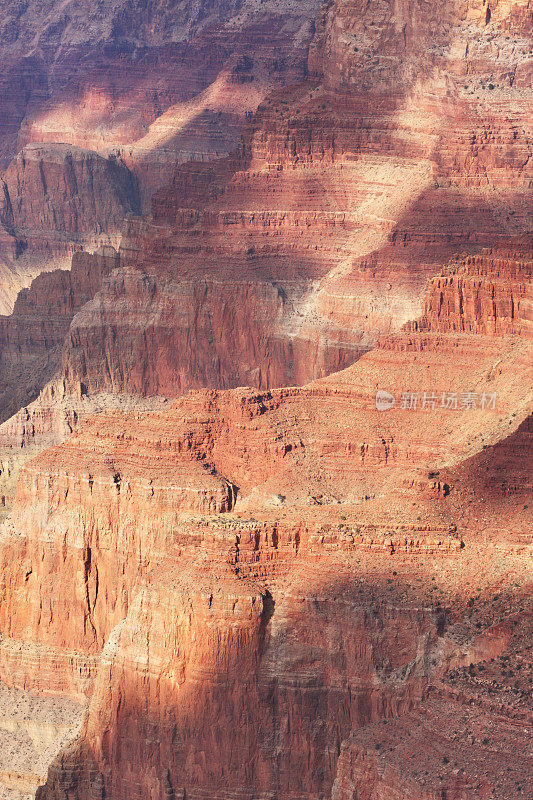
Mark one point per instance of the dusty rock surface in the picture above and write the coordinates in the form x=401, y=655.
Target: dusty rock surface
x=32, y=731
x=290, y=567
x=121, y=91
x=308, y=574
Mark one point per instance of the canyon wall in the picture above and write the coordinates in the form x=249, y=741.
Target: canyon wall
x=240, y=566
x=345, y=197
x=132, y=88
x=31, y=338
x=488, y=293
x=56, y=200
x=296, y=591
x=289, y=259
x=65, y=190
x=100, y=77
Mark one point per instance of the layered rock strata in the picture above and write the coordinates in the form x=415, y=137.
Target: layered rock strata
x=98, y=104
x=489, y=293
x=100, y=77
x=32, y=336
x=56, y=200
x=285, y=592
x=273, y=517
x=291, y=257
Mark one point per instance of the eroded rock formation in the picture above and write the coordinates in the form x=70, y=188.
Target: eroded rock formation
x=102, y=76
x=291, y=257
x=269, y=588
x=142, y=84
x=316, y=590
x=56, y=200
x=32, y=731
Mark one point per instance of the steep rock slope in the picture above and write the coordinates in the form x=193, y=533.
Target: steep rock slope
x=487, y=293
x=57, y=199
x=282, y=569
x=32, y=730
x=128, y=85
x=31, y=338
x=410, y=142
x=67, y=190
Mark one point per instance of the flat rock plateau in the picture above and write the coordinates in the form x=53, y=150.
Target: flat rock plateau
x=266, y=406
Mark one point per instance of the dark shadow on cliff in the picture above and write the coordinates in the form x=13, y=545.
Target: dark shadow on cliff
x=33, y=336
x=341, y=652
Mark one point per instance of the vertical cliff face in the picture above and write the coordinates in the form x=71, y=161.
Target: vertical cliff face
x=411, y=142
x=55, y=200
x=31, y=338
x=488, y=293
x=285, y=569
x=146, y=85
x=165, y=339
x=232, y=660
x=66, y=190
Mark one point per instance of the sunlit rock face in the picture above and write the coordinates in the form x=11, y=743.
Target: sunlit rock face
x=270, y=519
x=141, y=84
x=409, y=143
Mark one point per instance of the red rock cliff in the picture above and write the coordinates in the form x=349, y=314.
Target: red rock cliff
x=298, y=624
x=297, y=592
x=31, y=338
x=346, y=196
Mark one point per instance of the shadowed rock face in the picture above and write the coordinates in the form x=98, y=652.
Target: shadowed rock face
x=57, y=199
x=31, y=338
x=290, y=258
x=275, y=592
x=63, y=189
x=54, y=200
x=143, y=85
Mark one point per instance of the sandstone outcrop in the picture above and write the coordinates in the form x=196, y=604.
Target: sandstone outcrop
x=32, y=336
x=317, y=590
x=346, y=196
